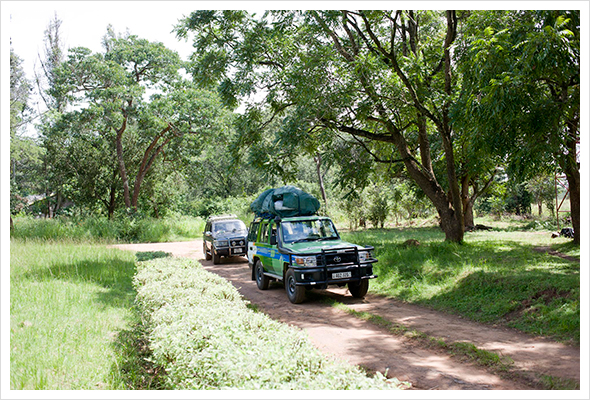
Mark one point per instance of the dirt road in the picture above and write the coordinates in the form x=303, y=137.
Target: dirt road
x=338, y=334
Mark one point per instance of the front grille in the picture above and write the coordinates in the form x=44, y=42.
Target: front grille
x=237, y=242
x=340, y=258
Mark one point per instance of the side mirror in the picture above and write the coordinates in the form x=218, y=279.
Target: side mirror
x=273, y=240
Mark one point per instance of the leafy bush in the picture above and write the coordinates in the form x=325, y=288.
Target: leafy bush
x=205, y=337
x=150, y=255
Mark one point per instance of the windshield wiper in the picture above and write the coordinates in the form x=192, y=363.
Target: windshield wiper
x=303, y=240
x=331, y=238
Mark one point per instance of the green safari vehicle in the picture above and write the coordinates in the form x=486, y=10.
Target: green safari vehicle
x=306, y=252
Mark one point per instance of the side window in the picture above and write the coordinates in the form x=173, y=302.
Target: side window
x=264, y=237
x=253, y=232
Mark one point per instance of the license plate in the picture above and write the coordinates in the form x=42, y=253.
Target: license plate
x=340, y=275
x=238, y=250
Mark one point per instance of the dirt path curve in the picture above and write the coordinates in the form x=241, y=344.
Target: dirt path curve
x=341, y=335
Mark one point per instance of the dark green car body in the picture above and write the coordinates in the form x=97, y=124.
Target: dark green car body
x=306, y=253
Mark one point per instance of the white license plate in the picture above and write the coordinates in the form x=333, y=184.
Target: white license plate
x=238, y=250
x=340, y=275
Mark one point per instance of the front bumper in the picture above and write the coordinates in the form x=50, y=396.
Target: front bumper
x=236, y=247
x=330, y=273
x=321, y=276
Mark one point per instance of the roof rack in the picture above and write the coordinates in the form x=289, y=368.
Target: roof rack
x=223, y=216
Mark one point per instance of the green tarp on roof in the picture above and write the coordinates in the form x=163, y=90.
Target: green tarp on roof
x=286, y=201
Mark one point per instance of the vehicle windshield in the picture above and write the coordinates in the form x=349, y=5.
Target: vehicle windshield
x=229, y=226
x=302, y=231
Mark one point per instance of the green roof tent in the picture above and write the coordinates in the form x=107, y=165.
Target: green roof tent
x=286, y=201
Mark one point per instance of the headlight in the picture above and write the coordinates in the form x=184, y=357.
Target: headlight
x=306, y=261
x=220, y=243
x=364, y=256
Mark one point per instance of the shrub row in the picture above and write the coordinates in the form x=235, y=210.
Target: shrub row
x=203, y=334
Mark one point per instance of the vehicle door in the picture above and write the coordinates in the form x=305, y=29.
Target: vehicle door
x=265, y=251
x=277, y=264
x=207, y=236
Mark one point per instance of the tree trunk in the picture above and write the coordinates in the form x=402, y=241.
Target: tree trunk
x=318, y=164
x=572, y=173
x=121, y=161
x=148, y=158
x=457, y=226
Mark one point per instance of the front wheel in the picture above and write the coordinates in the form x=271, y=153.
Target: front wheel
x=207, y=255
x=262, y=280
x=216, y=257
x=296, y=294
x=358, y=289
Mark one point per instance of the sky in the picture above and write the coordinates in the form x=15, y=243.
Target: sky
x=84, y=23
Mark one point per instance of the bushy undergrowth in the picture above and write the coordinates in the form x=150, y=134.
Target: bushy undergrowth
x=122, y=228
x=205, y=337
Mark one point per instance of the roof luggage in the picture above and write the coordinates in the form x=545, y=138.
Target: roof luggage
x=286, y=201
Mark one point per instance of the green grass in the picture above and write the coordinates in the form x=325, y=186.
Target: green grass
x=100, y=229
x=68, y=302
x=494, y=277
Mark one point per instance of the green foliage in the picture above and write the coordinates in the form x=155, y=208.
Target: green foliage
x=204, y=336
x=333, y=80
x=118, y=135
x=150, y=255
x=67, y=301
x=379, y=206
x=20, y=88
x=521, y=91
x=495, y=277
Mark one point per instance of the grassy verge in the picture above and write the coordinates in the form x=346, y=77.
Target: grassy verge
x=68, y=301
x=494, y=277
x=101, y=229
x=202, y=335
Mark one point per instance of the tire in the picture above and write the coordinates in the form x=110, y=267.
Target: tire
x=296, y=294
x=358, y=289
x=207, y=255
x=216, y=257
x=262, y=281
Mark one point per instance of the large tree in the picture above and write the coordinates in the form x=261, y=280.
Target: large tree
x=382, y=79
x=133, y=100
x=522, y=92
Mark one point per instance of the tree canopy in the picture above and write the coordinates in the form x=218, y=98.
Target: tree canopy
x=129, y=106
x=442, y=103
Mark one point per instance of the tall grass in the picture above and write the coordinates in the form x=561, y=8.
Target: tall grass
x=494, y=277
x=101, y=229
x=67, y=303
